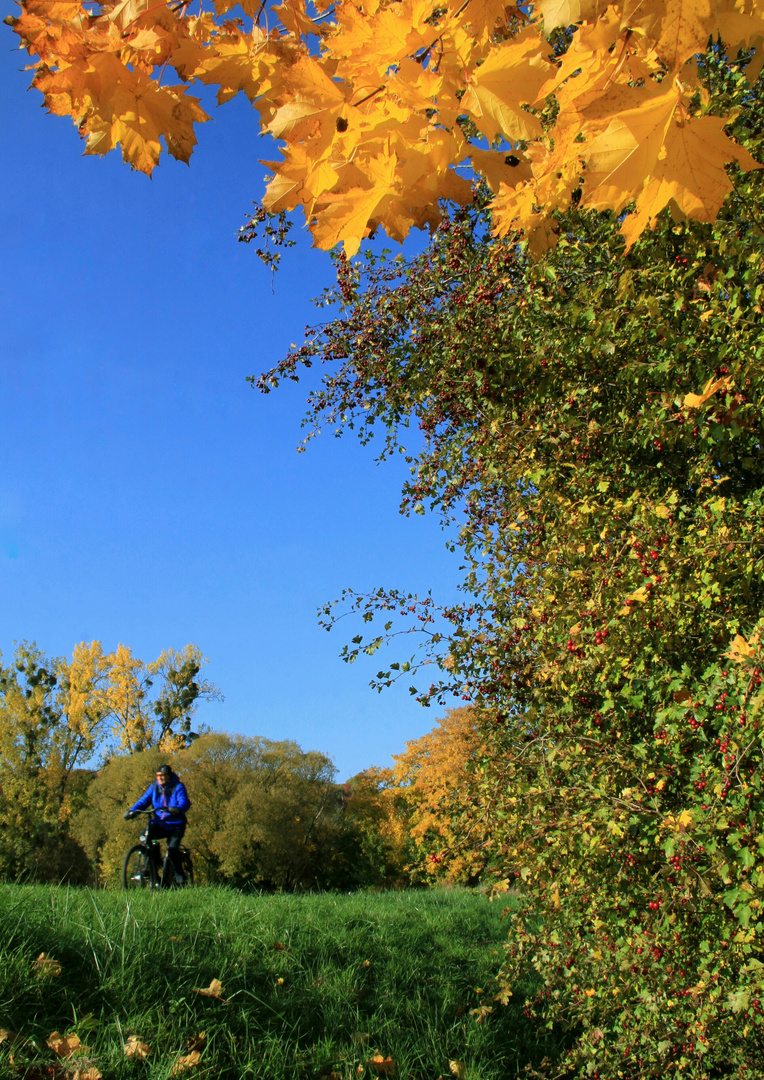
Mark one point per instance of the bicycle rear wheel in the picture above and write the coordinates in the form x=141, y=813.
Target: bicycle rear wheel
x=188, y=869
x=139, y=871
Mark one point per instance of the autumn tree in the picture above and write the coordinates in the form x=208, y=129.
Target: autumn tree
x=139, y=704
x=379, y=108
x=594, y=418
x=436, y=776
x=43, y=749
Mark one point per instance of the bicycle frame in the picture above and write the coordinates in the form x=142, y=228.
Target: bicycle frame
x=143, y=864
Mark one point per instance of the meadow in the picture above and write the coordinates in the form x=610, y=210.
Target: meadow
x=327, y=986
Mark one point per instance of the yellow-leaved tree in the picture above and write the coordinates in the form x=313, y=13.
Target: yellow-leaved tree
x=446, y=813
x=59, y=719
x=380, y=109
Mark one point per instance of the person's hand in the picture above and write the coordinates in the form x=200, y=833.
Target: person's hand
x=128, y=814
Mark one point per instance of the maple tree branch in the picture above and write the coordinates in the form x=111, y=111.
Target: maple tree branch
x=368, y=97
x=420, y=59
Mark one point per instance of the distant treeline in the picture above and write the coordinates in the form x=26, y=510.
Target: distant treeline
x=265, y=814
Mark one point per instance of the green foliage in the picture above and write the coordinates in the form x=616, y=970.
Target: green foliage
x=315, y=985
x=597, y=418
x=264, y=814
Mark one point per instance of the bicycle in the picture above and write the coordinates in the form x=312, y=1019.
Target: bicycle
x=139, y=870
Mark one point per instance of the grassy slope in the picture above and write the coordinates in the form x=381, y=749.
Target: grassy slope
x=402, y=968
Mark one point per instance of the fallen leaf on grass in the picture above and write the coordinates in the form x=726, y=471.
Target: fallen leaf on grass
x=65, y=1046
x=135, y=1048
x=196, y=1042
x=46, y=965
x=279, y=946
x=481, y=1012
x=186, y=1061
x=458, y=1069
x=214, y=990
x=382, y=1066
x=6, y=1035
x=87, y=1074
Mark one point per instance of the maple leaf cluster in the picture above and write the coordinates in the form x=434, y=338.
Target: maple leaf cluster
x=386, y=109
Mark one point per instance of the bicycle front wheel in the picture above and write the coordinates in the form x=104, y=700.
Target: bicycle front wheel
x=188, y=869
x=138, y=871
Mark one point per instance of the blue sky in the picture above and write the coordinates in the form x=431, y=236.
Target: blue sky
x=147, y=494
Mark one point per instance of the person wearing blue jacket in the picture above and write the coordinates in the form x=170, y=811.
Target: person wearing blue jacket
x=168, y=798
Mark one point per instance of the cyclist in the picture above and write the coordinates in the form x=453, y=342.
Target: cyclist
x=169, y=799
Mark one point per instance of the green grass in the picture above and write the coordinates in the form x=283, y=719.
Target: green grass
x=314, y=985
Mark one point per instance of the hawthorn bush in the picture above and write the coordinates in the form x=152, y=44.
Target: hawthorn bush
x=595, y=419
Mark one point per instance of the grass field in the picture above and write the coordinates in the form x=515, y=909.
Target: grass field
x=312, y=986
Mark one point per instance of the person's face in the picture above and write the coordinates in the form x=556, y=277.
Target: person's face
x=161, y=779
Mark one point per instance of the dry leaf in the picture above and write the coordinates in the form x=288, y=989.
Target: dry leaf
x=279, y=946
x=46, y=965
x=458, y=1069
x=696, y=401
x=382, y=1066
x=214, y=990
x=87, y=1074
x=186, y=1061
x=6, y=1035
x=66, y=1045
x=742, y=651
x=196, y=1042
x=135, y=1048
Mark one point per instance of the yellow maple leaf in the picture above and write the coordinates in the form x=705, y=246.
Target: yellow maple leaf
x=499, y=167
x=622, y=157
x=691, y=173
x=566, y=12
x=679, y=28
x=484, y=17
x=214, y=990
x=239, y=62
x=512, y=76
x=295, y=18
x=742, y=651
x=348, y=214
x=368, y=43
x=696, y=401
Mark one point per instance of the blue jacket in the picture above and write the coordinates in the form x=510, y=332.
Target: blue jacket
x=172, y=797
